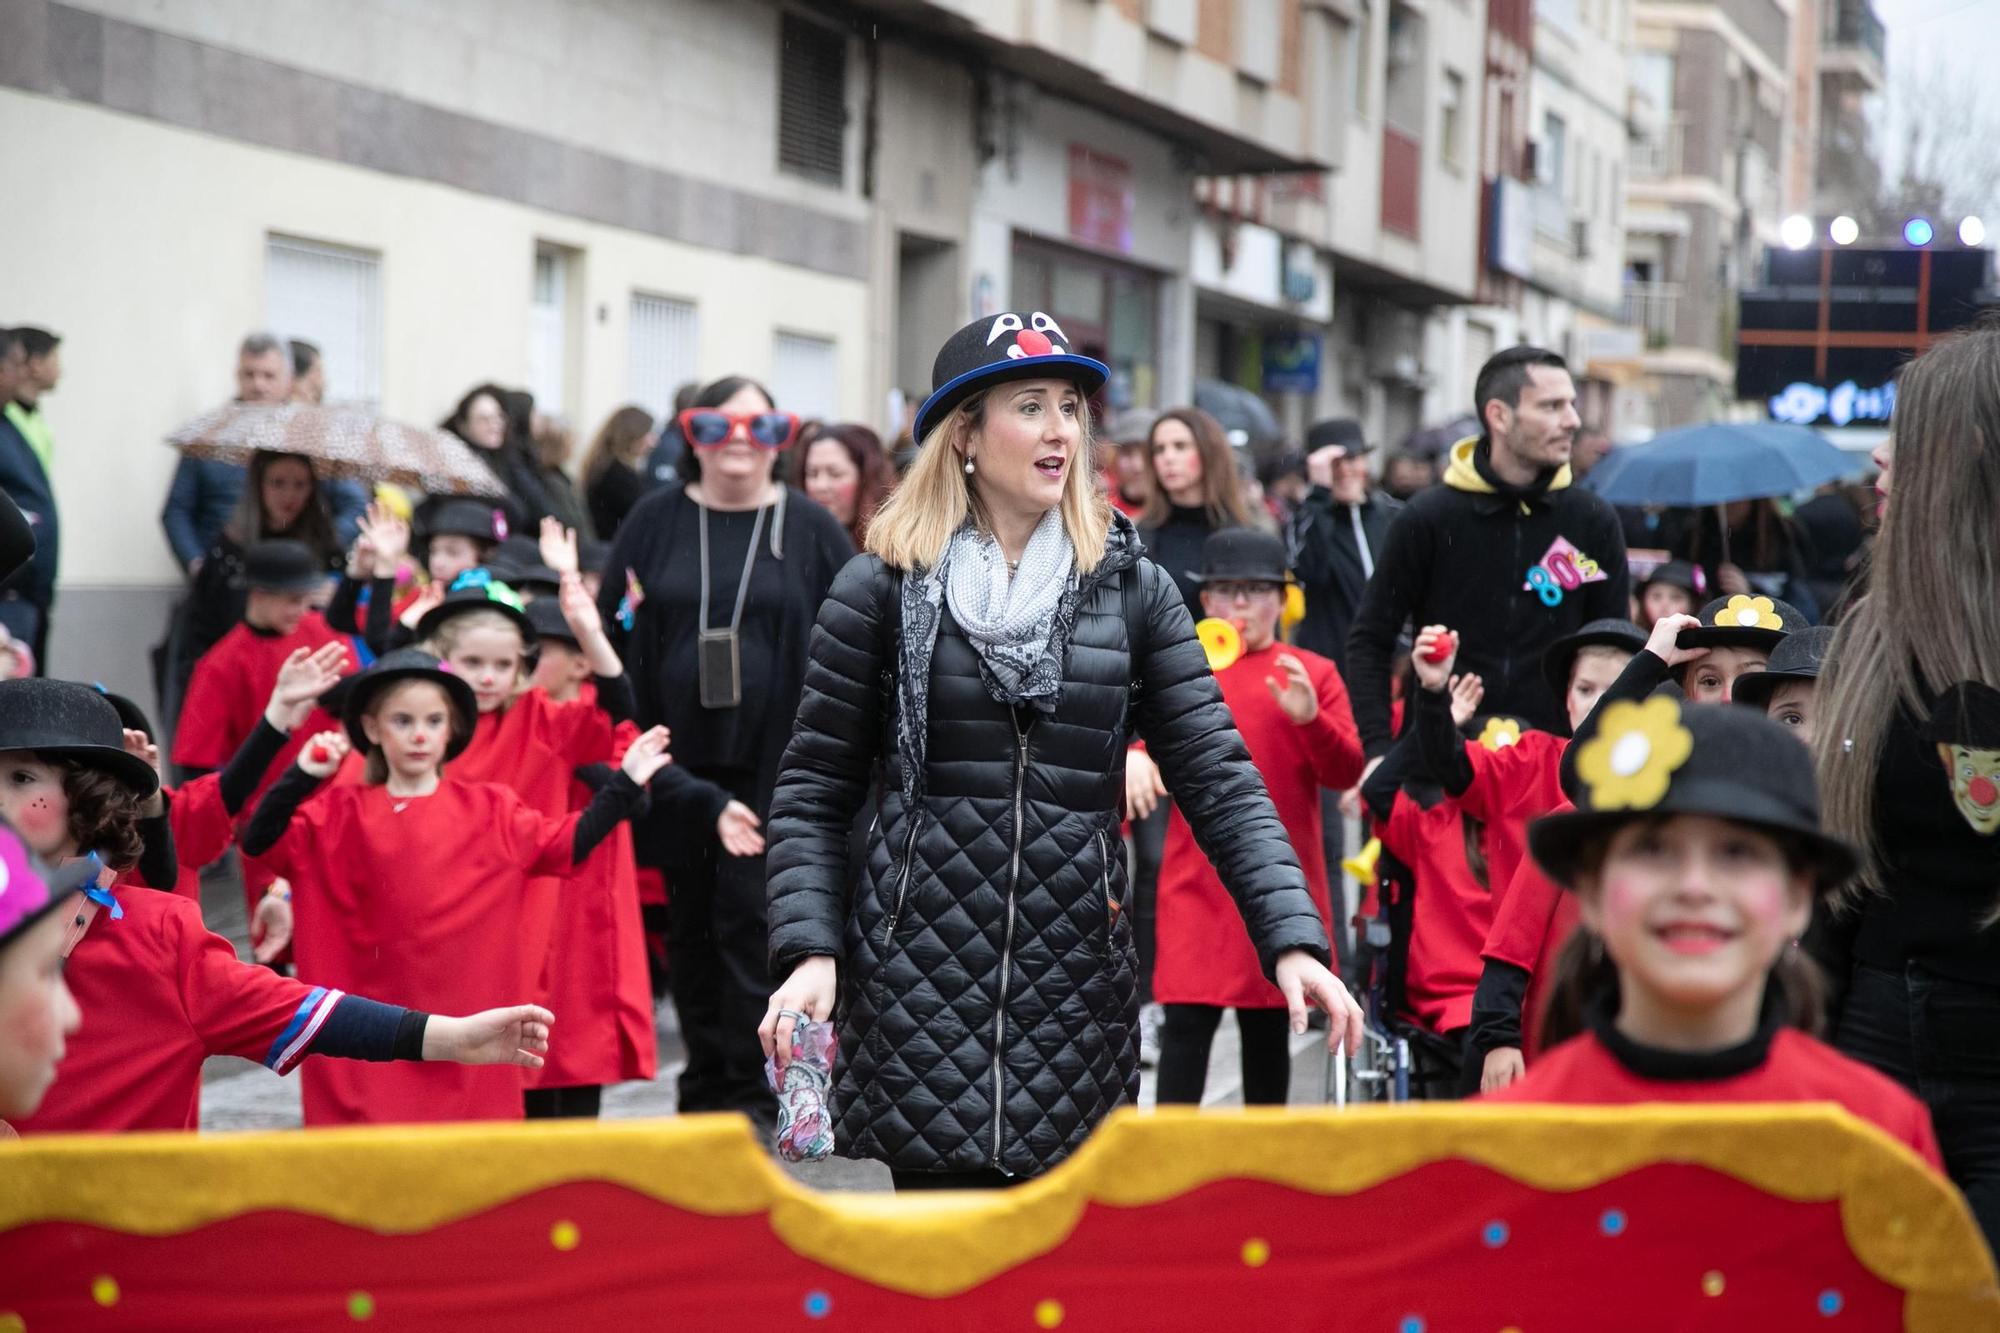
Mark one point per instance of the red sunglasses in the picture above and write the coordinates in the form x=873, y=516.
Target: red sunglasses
x=708, y=428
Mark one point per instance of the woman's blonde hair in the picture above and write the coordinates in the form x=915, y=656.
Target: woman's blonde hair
x=933, y=501
x=1929, y=619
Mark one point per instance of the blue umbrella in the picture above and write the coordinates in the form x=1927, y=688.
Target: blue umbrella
x=1696, y=466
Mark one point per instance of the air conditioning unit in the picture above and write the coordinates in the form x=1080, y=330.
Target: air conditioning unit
x=1579, y=233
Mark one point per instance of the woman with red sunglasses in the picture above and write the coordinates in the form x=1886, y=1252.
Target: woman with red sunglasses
x=709, y=595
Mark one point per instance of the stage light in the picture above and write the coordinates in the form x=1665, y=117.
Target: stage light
x=1972, y=232
x=1796, y=231
x=1844, y=230
x=1919, y=232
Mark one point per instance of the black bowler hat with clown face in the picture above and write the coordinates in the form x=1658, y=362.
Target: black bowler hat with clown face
x=1016, y=345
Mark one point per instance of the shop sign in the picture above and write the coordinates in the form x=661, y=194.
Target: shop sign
x=1299, y=279
x=1845, y=404
x=1291, y=362
x=1100, y=199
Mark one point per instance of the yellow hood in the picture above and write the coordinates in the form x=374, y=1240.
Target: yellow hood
x=1462, y=475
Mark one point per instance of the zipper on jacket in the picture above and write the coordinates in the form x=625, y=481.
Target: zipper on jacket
x=1111, y=905
x=902, y=884
x=1007, y=941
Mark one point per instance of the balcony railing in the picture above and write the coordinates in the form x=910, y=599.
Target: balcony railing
x=1853, y=23
x=1402, y=177
x=1660, y=155
x=1652, y=306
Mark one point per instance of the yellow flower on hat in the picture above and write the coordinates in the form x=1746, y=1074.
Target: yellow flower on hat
x=1500, y=733
x=1749, y=613
x=1632, y=759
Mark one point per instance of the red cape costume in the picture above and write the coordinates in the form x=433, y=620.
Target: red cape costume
x=1510, y=786
x=422, y=900
x=202, y=829
x=1204, y=953
x=159, y=994
x=1450, y=911
x=1533, y=921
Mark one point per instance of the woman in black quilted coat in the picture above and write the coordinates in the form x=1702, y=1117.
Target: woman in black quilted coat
x=981, y=671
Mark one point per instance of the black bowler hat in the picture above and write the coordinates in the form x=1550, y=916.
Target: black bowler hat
x=1746, y=620
x=468, y=518
x=72, y=720
x=410, y=664
x=546, y=617
x=1016, y=345
x=1343, y=431
x=1663, y=757
x=477, y=590
x=1559, y=657
x=1682, y=574
x=1242, y=555
x=130, y=715
x=282, y=566
x=1799, y=657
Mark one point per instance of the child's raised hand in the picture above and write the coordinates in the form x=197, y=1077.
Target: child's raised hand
x=1433, y=657
x=139, y=747
x=579, y=609
x=1467, y=693
x=388, y=534
x=515, y=1035
x=360, y=556
x=1663, y=642
x=322, y=754
x=306, y=675
x=738, y=828
x=271, y=926
x=647, y=756
x=558, y=545
x=421, y=604
x=1295, y=695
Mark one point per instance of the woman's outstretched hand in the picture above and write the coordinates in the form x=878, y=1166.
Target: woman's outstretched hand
x=1306, y=983
x=809, y=991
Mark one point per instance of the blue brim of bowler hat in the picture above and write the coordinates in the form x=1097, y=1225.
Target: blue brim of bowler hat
x=1088, y=373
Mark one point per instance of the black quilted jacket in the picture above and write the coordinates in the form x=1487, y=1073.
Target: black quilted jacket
x=987, y=972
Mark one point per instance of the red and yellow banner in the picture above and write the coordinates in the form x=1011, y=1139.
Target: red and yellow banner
x=1416, y=1219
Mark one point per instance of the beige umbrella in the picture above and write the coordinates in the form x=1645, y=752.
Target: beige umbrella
x=342, y=441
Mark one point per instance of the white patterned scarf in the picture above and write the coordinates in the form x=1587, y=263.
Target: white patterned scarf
x=1014, y=621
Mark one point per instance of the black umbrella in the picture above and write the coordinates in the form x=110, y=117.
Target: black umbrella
x=1240, y=412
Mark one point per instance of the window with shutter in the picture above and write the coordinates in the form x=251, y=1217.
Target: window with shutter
x=805, y=375
x=662, y=350
x=812, y=99
x=331, y=297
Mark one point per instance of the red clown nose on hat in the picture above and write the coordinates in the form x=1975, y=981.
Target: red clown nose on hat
x=1014, y=345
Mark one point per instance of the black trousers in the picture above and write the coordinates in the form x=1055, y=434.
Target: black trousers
x=1940, y=1038
x=719, y=974
x=1189, y=1032
x=1149, y=844
x=985, y=1179
x=582, y=1102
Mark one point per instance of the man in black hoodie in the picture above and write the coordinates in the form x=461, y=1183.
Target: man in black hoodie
x=1506, y=552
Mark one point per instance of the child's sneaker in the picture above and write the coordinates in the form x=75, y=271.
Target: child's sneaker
x=1150, y=1018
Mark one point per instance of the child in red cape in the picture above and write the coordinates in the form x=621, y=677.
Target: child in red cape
x=159, y=992
x=1292, y=709
x=1695, y=854
x=417, y=880
x=459, y=536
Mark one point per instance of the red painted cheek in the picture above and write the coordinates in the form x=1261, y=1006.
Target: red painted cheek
x=43, y=823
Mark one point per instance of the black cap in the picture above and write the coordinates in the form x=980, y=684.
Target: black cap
x=476, y=590
x=1798, y=657
x=73, y=720
x=130, y=715
x=1663, y=757
x=410, y=664
x=1343, y=431
x=468, y=518
x=1015, y=345
x=1681, y=574
x=1746, y=620
x=1242, y=555
x=546, y=617
x=1967, y=715
x=282, y=566
x=1559, y=657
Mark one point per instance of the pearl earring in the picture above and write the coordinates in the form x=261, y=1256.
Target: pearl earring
x=968, y=465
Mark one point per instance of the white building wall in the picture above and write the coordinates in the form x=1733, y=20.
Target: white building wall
x=1580, y=77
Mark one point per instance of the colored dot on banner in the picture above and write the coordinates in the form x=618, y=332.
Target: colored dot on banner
x=1256, y=1252
x=565, y=1235
x=360, y=1306
x=818, y=1305
x=1412, y=1323
x=1831, y=1302
x=1613, y=1222
x=1049, y=1314
x=1494, y=1235
x=104, y=1290
x=1711, y=1283
x=12, y=1323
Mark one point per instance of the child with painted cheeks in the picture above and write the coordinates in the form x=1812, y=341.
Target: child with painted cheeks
x=1696, y=857
x=1786, y=689
x=423, y=881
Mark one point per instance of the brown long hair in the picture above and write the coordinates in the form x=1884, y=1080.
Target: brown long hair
x=103, y=812
x=1584, y=970
x=1929, y=619
x=617, y=442
x=314, y=525
x=864, y=450
x=1221, y=485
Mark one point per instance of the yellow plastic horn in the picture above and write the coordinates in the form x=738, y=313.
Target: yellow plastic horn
x=1295, y=609
x=1361, y=865
x=1220, y=641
